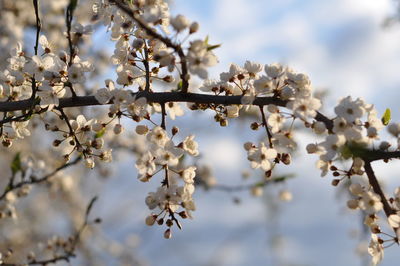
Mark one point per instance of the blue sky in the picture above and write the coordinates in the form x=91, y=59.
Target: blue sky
x=342, y=45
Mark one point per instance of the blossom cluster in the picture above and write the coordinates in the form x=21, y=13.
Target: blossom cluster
x=163, y=155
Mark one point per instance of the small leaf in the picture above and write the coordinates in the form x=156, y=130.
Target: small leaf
x=212, y=47
x=283, y=178
x=16, y=163
x=353, y=149
x=346, y=152
x=206, y=40
x=100, y=133
x=179, y=86
x=386, y=117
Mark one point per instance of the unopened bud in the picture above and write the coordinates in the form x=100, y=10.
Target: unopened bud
x=141, y=129
x=335, y=182
x=183, y=214
x=96, y=127
x=194, y=27
x=151, y=219
x=174, y=130
x=248, y=146
x=286, y=158
x=356, y=189
x=168, y=79
x=6, y=143
x=169, y=223
x=268, y=174
x=118, y=129
x=254, y=126
x=352, y=204
x=223, y=122
x=168, y=234
x=56, y=142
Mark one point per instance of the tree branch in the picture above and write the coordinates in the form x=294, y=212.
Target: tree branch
x=152, y=97
x=373, y=181
x=12, y=187
x=264, y=121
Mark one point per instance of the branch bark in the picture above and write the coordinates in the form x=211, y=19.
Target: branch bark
x=152, y=97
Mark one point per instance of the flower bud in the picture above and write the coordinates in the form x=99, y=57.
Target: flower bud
x=286, y=158
x=194, y=27
x=356, y=189
x=248, y=146
x=168, y=233
x=254, y=126
x=223, y=122
x=96, y=127
x=169, y=223
x=335, y=182
x=150, y=220
x=319, y=127
x=141, y=129
x=6, y=143
x=174, y=130
x=89, y=162
x=56, y=142
x=118, y=129
x=352, y=204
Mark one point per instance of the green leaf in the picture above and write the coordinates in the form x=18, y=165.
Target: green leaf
x=386, y=117
x=16, y=163
x=206, y=40
x=100, y=133
x=212, y=47
x=179, y=86
x=346, y=152
x=353, y=149
x=283, y=178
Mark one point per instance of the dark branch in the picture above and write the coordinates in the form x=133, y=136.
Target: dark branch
x=37, y=180
x=152, y=97
x=264, y=121
x=373, y=181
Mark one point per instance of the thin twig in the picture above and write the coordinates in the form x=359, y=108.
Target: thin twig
x=373, y=181
x=12, y=186
x=71, y=131
x=75, y=240
x=38, y=28
x=163, y=115
x=38, y=25
x=146, y=66
x=68, y=21
x=264, y=120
